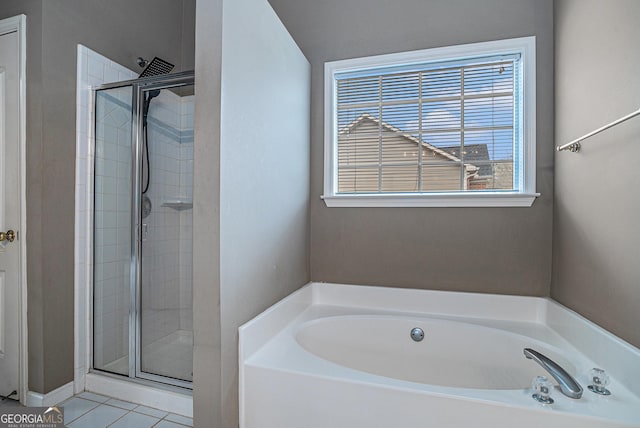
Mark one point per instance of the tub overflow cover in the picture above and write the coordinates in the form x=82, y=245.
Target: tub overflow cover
x=417, y=334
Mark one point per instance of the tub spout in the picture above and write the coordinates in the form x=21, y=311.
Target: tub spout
x=568, y=385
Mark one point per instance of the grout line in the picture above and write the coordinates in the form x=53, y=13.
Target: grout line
x=90, y=401
x=121, y=408
x=173, y=422
x=119, y=417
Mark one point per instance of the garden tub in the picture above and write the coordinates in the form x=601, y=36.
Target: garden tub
x=336, y=356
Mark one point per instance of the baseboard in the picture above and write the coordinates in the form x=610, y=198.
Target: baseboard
x=58, y=395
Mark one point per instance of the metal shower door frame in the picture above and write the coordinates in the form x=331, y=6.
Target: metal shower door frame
x=139, y=88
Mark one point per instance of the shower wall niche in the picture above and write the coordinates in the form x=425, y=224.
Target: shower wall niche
x=143, y=234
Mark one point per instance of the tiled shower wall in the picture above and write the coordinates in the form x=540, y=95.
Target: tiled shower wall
x=166, y=249
x=167, y=252
x=112, y=232
x=112, y=225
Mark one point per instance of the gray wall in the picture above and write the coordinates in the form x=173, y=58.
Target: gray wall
x=597, y=197
x=501, y=250
x=33, y=10
x=122, y=31
x=188, y=34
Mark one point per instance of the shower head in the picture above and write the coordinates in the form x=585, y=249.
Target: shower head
x=156, y=67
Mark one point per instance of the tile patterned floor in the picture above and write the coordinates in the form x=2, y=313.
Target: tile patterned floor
x=89, y=410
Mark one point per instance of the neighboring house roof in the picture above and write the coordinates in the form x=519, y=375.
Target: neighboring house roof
x=473, y=153
x=391, y=128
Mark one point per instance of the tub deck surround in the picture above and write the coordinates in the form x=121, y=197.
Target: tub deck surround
x=342, y=356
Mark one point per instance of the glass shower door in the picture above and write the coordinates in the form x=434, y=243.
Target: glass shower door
x=112, y=230
x=142, y=231
x=165, y=337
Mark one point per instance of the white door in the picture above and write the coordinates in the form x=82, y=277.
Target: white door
x=9, y=213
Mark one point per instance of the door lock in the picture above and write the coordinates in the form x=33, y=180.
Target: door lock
x=10, y=236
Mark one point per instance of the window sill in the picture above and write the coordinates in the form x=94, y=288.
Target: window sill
x=441, y=200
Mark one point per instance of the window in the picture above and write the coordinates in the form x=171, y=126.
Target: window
x=450, y=126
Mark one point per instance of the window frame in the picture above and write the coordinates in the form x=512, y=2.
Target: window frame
x=525, y=46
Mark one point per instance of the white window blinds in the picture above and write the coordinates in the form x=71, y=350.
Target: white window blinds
x=433, y=127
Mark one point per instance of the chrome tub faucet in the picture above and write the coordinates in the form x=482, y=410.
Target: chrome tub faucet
x=568, y=385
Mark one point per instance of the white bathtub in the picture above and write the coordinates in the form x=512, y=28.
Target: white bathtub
x=333, y=356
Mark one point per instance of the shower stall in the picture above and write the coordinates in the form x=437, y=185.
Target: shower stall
x=142, y=244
